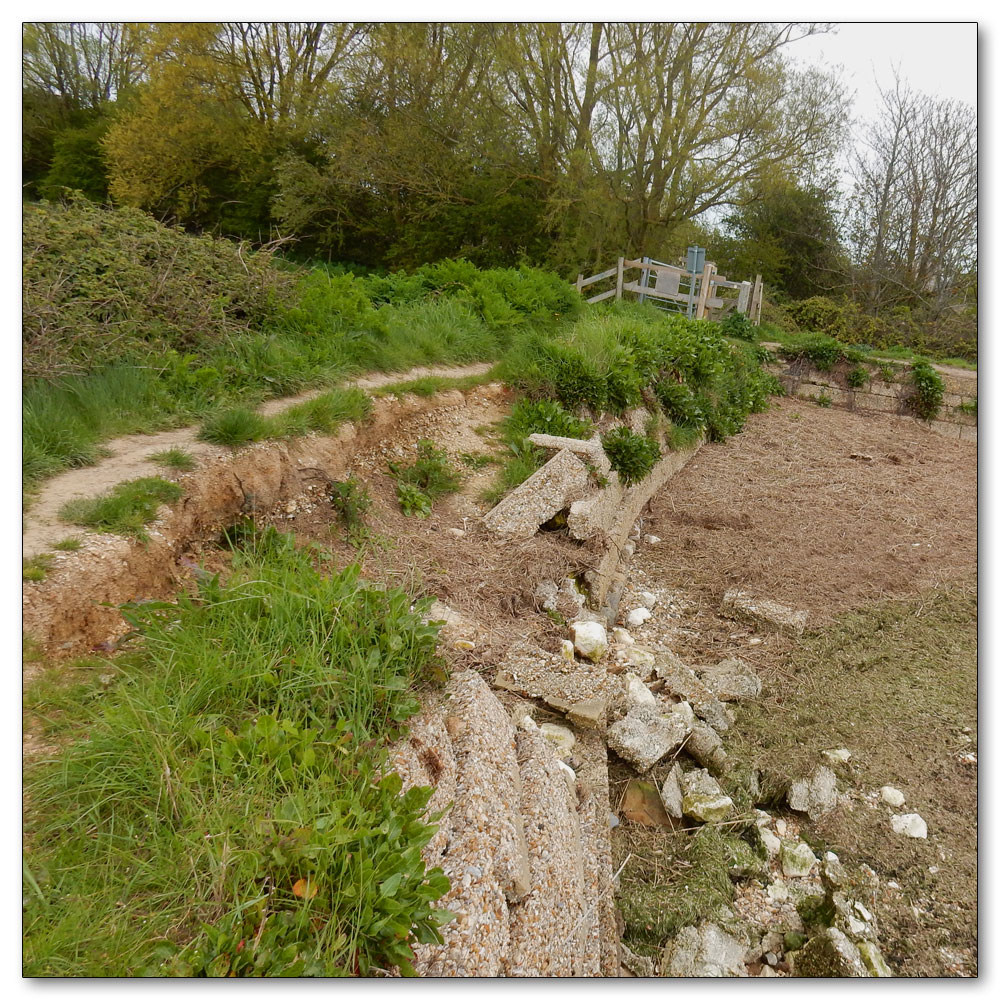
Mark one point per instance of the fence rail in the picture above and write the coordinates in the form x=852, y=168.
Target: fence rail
x=706, y=295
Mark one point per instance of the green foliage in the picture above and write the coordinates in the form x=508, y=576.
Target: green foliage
x=824, y=400
x=970, y=406
x=858, y=377
x=124, y=510
x=821, y=350
x=928, y=390
x=351, y=501
x=632, y=456
x=739, y=325
x=425, y=479
x=234, y=427
x=36, y=568
x=413, y=500
x=67, y=545
x=100, y=286
x=174, y=458
x=242, y=748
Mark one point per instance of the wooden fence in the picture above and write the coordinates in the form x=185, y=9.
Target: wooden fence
x=708, y=295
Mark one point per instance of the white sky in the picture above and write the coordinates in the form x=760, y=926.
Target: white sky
x=938, y=59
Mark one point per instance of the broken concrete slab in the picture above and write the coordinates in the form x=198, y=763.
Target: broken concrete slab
x=732, y=679
x=680, y=680
x=703, y=951
x=590, y=639
x=705, y=745
x=704, y=799
x=643, y=737
x=563, y=480
x=671, y=793
x=742, y=606
x=830, y=954
x=814, y=795
x=591, y=450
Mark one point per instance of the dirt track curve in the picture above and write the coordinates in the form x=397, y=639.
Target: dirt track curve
x=130, y=458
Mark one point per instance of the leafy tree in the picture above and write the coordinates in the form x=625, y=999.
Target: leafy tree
x=789, y=235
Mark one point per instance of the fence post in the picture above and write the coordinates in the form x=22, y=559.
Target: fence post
x=757, y=301
x=743, y=303
x=579, y=283
x=706, y=284
x=621, y=278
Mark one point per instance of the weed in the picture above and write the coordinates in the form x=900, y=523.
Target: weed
x=175, y=458
x=476, y=461
x=413, y=500
x=887, y=373
x=632, y=456
x=969, y=406
x=824, y=400
x=858, y=377
x=126, y=509
x=351, y=501
x=430, y=474
x=67, y=545
x=928, y=390
x=234, y=427
x=243, y=750
x=36, y=568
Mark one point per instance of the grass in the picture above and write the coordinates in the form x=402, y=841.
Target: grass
x=124, y=510
x=67, y=545
x=36, y=568
x=177, y=459
x=430, y=385
x=896, y=684
x=322, y=414
x=219, y=806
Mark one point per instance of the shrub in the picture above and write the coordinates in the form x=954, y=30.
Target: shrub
x=739, y=325
x=101, y=284
x=858, y=377
x=632, y=456
x=928, y=390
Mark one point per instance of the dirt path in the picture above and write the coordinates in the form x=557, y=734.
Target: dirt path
x=130, y=458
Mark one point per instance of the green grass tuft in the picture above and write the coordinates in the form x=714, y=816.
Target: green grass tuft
x=36, y=568
x=175, y=458
x=234, y=427
x=68, y=545
x=126, y=509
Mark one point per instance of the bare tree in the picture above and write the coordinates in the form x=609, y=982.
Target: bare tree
x=914, y=204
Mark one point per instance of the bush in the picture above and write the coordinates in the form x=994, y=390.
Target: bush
x=100, y=285
x=928, y=390
x=632, y=456
x=738, y=324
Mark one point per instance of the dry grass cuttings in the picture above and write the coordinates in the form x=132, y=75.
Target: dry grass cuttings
x=785, y=511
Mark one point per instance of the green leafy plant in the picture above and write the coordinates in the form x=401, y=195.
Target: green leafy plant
x=887, y=373
x=174, y=458
x=928, y=393
x=632, y=456
x=824, y=400
x=477, y=460
x=124, y=510
x=858, y=377
x=970, y=406
x=430, y=474
x=739, y=325
x=265, y=771
x=351, y=501
x=413, y=500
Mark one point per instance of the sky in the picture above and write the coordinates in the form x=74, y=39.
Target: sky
x=938, y=59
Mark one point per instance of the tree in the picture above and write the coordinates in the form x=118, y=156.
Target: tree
x=914, y=202
x=788, y=234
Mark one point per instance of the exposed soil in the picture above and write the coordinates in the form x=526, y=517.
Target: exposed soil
x=816, y=508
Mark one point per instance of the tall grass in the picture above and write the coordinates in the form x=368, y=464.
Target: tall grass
x=223, y=809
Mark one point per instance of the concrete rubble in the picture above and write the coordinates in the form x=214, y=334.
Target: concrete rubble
x=761, y=613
